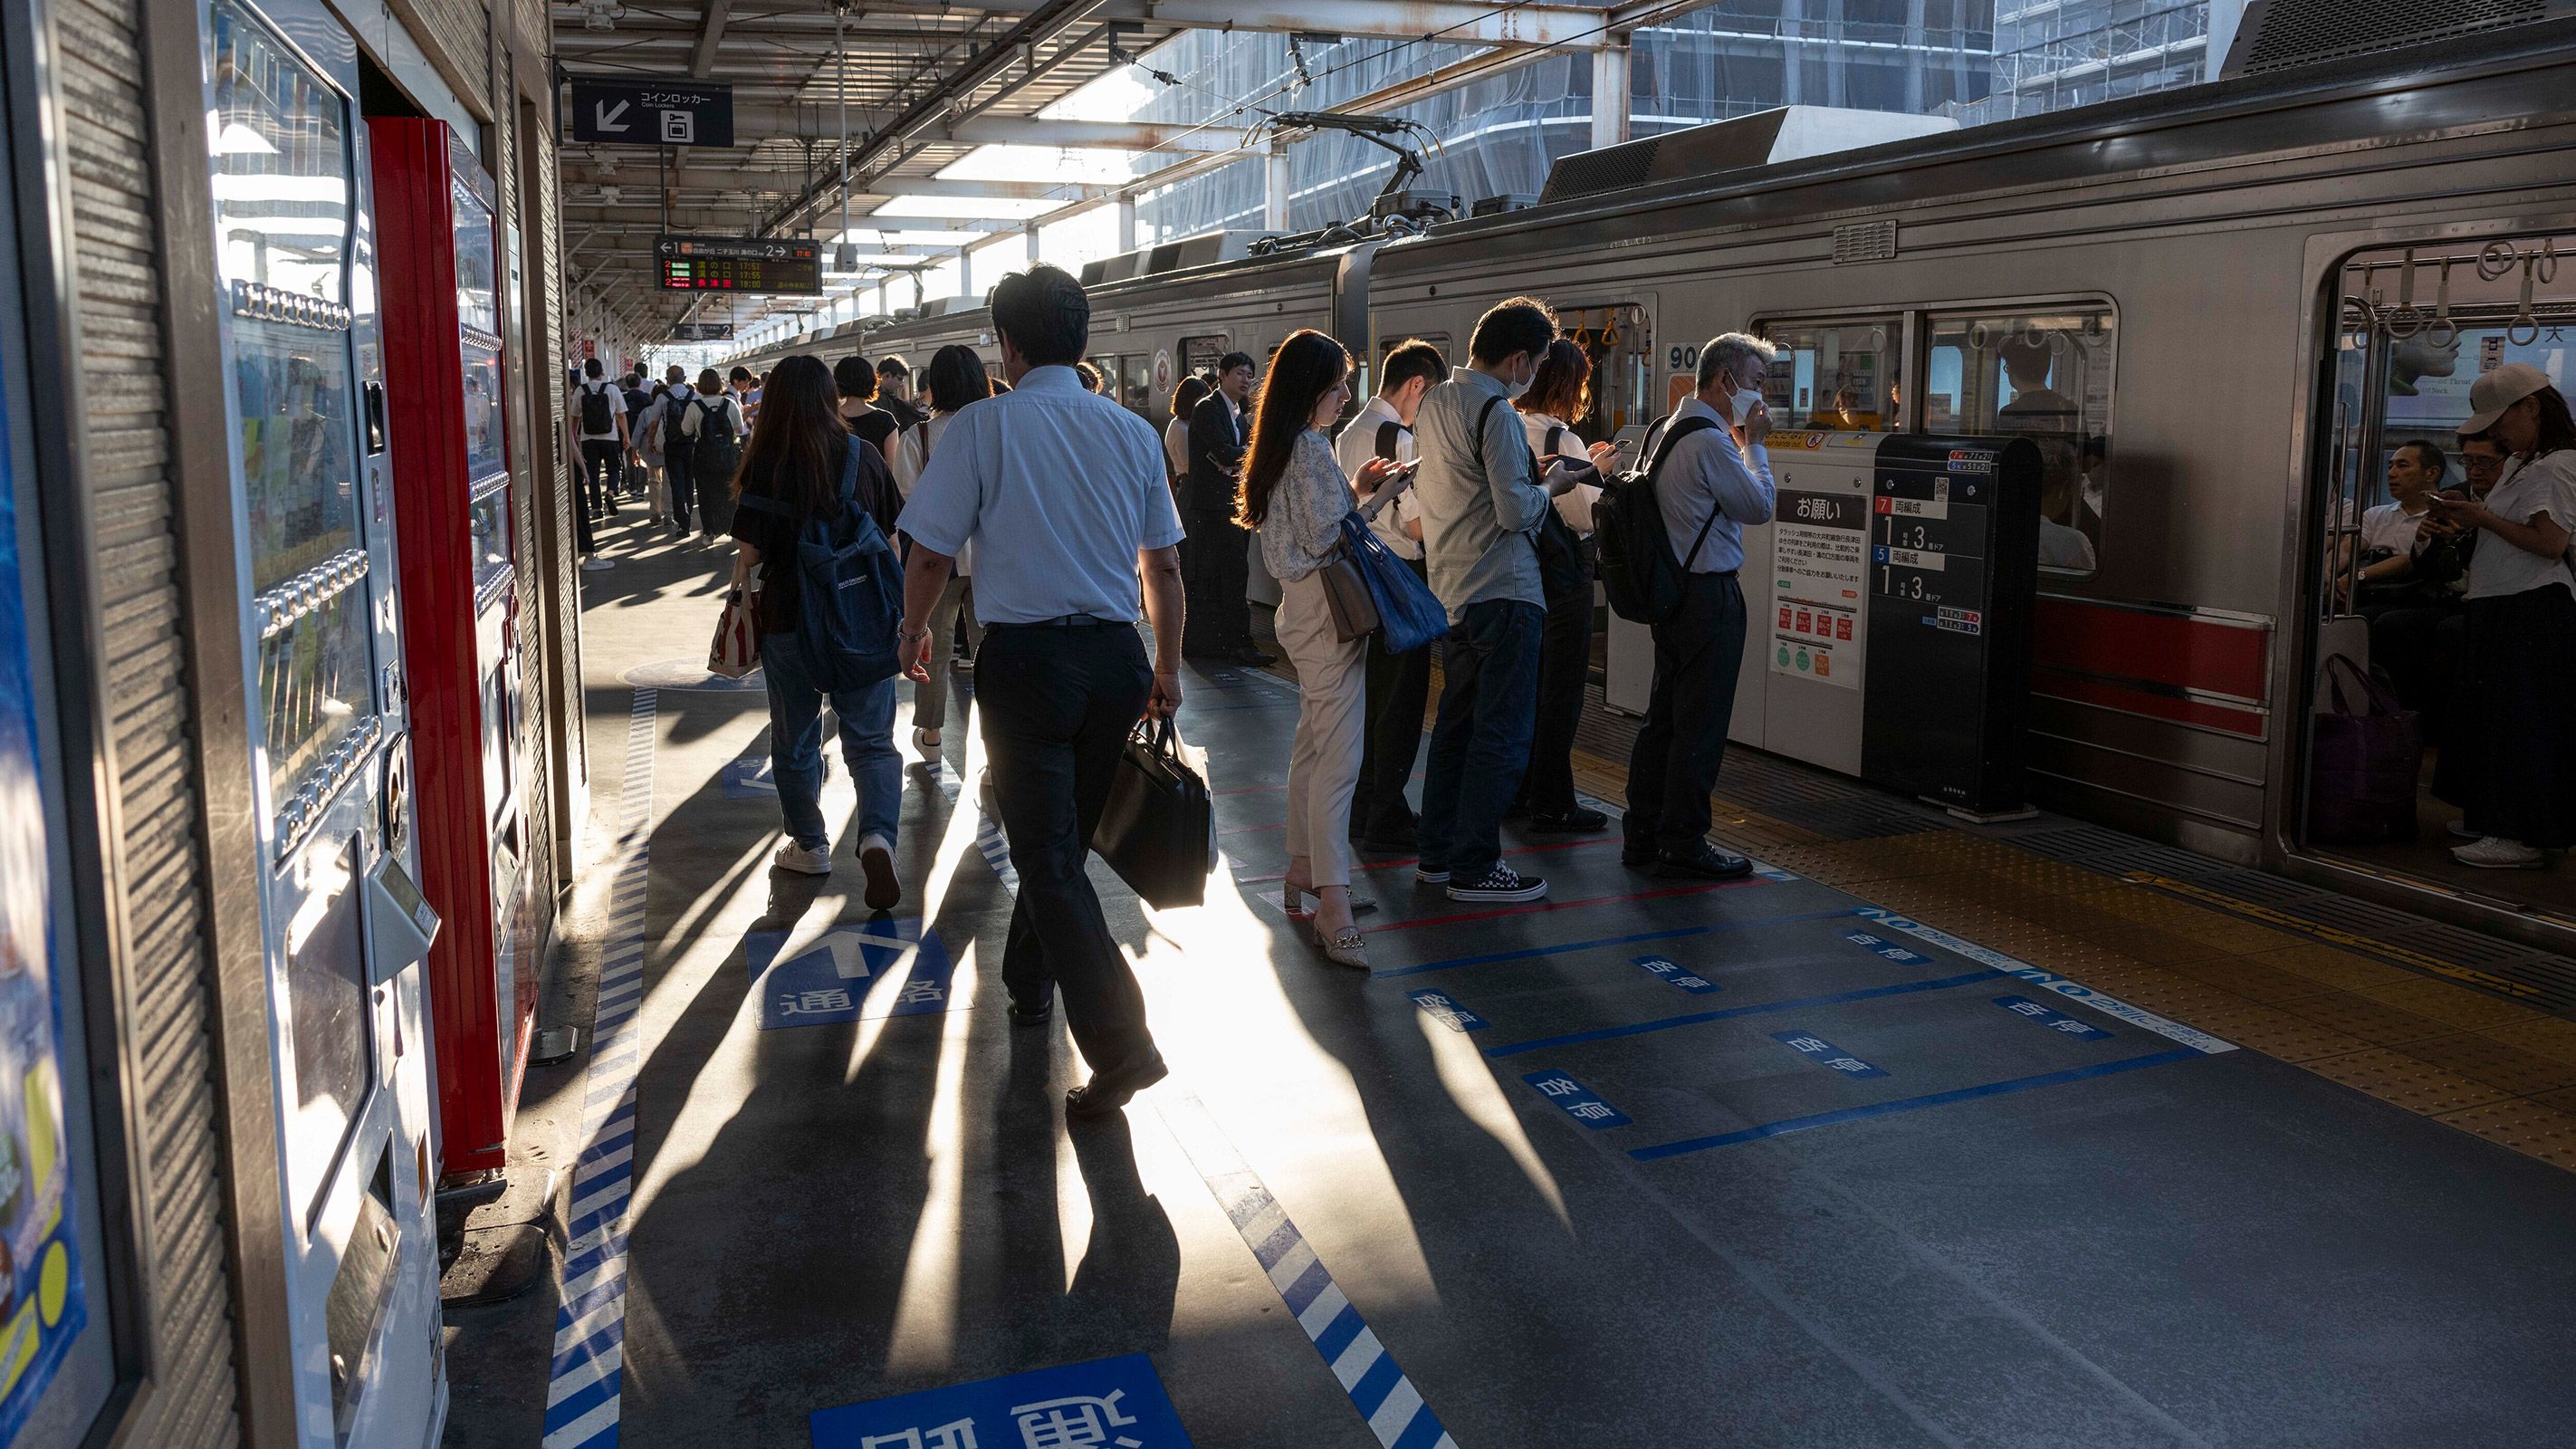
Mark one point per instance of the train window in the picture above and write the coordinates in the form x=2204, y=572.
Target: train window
x=1199, y=354
x=2045, y=374
x=1842, y=375
x=1113, y=378
x=1138, y=392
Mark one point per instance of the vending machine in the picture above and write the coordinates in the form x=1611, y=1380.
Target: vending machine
x=452, y=486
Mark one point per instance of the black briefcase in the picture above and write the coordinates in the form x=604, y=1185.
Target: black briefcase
x=1158, y=830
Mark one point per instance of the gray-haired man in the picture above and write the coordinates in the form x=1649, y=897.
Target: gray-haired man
x=1724, y=468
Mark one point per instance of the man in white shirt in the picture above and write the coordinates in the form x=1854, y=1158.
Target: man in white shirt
x=679, y=449
x=1061, y=491
x=599, y=439
x=1715, y=479
x=1399, y=685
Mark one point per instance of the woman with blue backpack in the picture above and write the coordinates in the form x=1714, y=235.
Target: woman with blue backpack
x=816, y=512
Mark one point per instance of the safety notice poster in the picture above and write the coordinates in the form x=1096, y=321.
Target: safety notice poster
x=1819, y=551
x=41, y=1308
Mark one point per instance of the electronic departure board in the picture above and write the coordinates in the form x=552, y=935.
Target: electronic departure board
x=739, y=264
x=1953, y=570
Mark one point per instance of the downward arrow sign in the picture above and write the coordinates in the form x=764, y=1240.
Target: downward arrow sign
x=605, y=117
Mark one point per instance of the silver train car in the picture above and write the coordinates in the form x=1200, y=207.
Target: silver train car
x=2222, y=307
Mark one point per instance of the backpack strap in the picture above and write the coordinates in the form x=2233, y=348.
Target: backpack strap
x=1654, y=471
x=1389, y=432
x=1553, y=434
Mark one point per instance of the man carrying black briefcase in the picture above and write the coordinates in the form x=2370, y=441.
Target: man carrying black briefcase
x=1062, y=492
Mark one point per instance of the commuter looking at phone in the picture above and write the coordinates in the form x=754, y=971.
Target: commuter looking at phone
x=1399, y=685
x=1558, y=399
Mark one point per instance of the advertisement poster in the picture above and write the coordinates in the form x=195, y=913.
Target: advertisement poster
x=41, y=1305
x=1819, y=548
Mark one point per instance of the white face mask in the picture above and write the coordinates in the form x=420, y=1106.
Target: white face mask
x=1742, y=403
x=1513, y=390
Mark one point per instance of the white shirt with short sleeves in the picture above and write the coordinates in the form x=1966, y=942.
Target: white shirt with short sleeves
x=1058, y=488
x=2390, y=526
x=1358, y=444
x=1575, y=504
x=2529, y=488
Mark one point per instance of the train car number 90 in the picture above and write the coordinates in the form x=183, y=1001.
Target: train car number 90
x=1682, y=359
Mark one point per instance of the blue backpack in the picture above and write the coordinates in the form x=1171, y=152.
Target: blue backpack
x=850, y=588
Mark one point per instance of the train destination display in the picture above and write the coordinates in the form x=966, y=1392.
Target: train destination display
x=739, y=264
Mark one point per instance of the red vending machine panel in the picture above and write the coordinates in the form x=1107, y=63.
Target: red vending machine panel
x=442, y=333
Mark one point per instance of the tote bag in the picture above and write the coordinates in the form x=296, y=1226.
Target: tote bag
x=2362, y=790
x=736, y=651
x=1409, y=616
x=1158, y=830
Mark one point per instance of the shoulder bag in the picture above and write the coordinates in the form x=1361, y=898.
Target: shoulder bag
x=736, y=651
x=1158, y=828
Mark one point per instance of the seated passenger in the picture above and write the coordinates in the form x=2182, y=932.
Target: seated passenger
x=2512, y=769
x=2062, y=545
x=2389, y=530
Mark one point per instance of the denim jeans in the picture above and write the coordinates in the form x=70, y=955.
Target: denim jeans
x=796, y=744
x=1481, y=743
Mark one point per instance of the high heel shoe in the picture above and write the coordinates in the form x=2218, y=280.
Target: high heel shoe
x=1346, y=947
x=1293, y=898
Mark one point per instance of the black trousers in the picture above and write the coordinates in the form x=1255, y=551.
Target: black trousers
x=1674, y=764
x=676, y=480
x=1214, y=573
x=1057, y=706
x=1399, y=688
x=1564, y=662
x=603, y=471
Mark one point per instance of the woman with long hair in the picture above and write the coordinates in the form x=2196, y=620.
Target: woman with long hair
x=2511, y=765
x=1176, y=433
x=800, y=462
x=1559, y=396
x=956, y=378
x=1294, y=491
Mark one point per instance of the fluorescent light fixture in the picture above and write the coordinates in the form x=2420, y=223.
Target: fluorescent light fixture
x=874, y=240
x=977, y=208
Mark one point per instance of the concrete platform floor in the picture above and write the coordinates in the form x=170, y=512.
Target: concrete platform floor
x=1654, y=1163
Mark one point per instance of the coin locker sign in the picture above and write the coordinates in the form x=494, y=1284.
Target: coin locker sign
x=1819, y=553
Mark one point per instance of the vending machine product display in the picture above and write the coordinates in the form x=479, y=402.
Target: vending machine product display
x=452, y=486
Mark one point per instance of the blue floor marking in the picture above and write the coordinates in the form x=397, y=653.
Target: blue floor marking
x=1865, y=993
x=1534, y=951
x=1825, y=1053
x=1378, y=1388
x=1576, y=1100
x=1911, y=1104
x=1110, y=1401
x=590, y=1324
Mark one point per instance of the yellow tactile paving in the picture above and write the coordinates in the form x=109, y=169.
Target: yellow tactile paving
x=2496, y=1068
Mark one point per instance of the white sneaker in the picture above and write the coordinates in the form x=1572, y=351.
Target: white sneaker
x=595, y=563
x=797, y=858
x=2497, y=853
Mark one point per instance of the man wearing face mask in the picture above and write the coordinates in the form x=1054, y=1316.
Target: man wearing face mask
x=1722, y=470
x=1481, y=508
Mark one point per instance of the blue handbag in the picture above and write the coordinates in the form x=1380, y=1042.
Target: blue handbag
x=1409, y=615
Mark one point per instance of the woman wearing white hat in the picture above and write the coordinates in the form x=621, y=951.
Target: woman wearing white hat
x=2516, y=780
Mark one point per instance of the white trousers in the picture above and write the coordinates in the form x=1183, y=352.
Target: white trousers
x=1324, y=758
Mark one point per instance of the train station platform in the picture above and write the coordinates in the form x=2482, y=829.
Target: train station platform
x=1926, y=1134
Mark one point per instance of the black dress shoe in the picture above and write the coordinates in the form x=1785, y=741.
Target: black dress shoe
x=1705, y=863
x=1251, y=656
x=1636, y=859
x=1038, y=1015
x=1577, y=821
x=1106, y=1092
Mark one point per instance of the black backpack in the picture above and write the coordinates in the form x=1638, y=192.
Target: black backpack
x=1388, y=431
x=676, y=444
x=598, y=414
x=1638, y=570
x=1562, y=566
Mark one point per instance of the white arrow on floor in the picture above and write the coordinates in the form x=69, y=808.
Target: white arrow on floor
x=848, y=959
x=605, y=117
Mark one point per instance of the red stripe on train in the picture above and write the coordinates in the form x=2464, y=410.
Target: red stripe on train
x=2234, y=721
x=2167, y=649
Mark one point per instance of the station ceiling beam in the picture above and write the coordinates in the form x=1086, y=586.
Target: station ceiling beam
x=757, y=123
x=711, y=31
